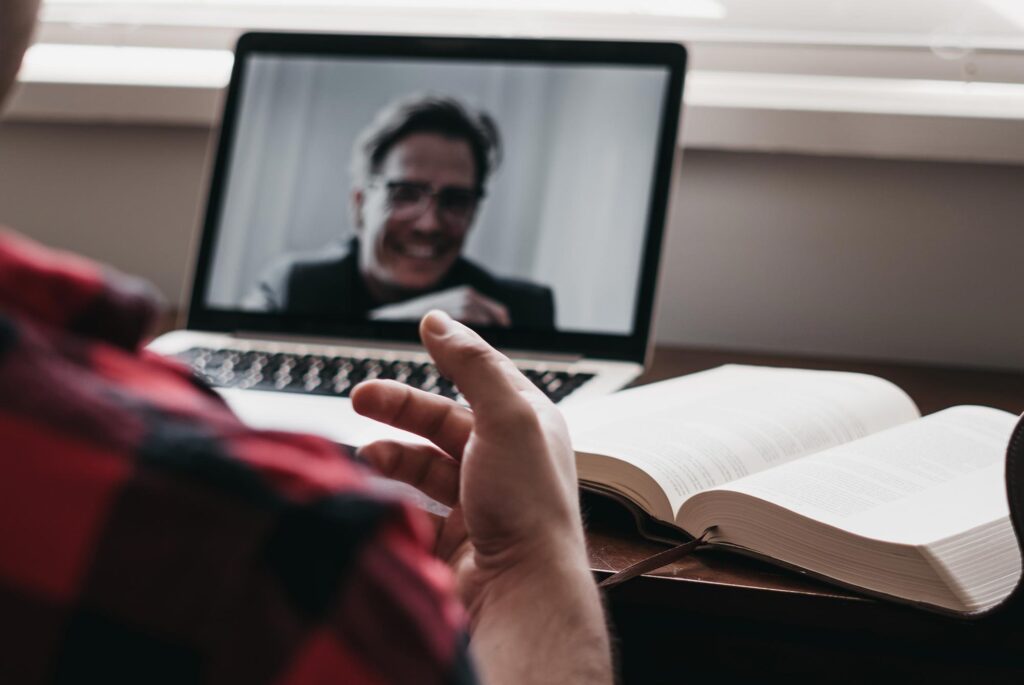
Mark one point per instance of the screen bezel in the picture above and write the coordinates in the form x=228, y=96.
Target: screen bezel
x=625, y=347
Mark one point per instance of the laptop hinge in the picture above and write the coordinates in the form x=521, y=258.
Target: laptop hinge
x=543, y=356
x=363, y=343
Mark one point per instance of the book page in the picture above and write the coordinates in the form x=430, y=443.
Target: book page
x=703, y=430
x=912, y=484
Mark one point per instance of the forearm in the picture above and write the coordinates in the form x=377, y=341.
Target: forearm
x=544, y=626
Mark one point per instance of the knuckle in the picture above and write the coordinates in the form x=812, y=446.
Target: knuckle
x=523, y=417
x=436, y=426
x=403, y=404
x=475, y=353
x=421, y=467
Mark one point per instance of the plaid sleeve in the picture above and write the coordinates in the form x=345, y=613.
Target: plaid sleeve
x=147, y=536
x=68, y=292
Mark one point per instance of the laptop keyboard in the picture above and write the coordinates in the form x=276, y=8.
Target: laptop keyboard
x=336, y=376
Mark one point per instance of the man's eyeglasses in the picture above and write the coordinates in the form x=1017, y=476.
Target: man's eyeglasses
x=408, y=200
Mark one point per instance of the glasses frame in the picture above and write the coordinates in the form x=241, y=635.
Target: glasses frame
x=430, y=195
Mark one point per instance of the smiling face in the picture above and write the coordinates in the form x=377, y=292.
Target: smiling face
x=407, y=246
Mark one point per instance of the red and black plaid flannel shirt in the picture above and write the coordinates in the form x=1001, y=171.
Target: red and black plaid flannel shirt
x=147, y=536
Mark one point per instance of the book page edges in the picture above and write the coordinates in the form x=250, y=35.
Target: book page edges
x=792, y=540
x=866, y=592
x=963, y=561
x=649, y=527
x=628, y=481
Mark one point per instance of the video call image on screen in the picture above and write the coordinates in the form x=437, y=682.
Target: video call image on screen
x=507, y=194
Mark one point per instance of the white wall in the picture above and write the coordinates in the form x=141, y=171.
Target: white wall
x=125, y=195
x=851, y=257
x=848, y=257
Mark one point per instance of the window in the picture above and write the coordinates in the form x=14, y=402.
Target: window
x=957, y=62
x=946, y=27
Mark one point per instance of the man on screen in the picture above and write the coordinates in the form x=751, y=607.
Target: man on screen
x=420, y=173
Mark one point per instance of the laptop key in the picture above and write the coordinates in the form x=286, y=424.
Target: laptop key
x=337, y=376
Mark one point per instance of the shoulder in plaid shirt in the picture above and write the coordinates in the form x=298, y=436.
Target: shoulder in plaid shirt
x=147, y=536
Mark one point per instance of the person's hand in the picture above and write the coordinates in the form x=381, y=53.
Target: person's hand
x=506, y=468
x=514, y=537
x=461, y=302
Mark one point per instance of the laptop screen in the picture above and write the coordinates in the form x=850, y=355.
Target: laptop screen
x=522, y=191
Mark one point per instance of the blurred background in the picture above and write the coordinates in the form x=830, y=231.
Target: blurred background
x=850, y=177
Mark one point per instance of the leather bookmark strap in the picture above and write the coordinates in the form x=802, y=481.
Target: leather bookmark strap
x=654, y=562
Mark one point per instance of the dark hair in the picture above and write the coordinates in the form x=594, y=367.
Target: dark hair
x=443, y=115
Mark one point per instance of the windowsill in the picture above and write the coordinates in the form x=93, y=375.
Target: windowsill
x=926, y=119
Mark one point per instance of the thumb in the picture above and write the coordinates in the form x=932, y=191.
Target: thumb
x=488, y=379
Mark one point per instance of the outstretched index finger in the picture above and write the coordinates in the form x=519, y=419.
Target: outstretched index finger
x=488, y=379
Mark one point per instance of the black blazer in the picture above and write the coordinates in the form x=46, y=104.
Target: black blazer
x=331, y=285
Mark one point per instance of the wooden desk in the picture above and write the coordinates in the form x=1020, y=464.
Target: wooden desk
x=724, y=616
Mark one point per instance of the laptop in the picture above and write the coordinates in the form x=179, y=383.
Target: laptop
x=360, y=181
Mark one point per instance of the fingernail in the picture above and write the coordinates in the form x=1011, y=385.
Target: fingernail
x=437, y=323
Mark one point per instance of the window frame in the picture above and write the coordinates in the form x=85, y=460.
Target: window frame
x=746, y=93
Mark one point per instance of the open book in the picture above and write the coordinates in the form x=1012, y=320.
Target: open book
x=832, y=473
